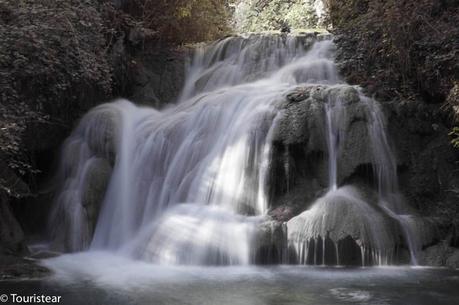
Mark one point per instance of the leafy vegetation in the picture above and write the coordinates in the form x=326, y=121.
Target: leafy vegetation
x=51, y=58
x=259, y=15
x=399, y=48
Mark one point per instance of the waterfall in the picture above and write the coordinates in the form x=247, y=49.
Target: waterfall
x=334, y=112
x=189, y=184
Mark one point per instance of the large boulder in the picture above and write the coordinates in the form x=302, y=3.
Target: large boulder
x=300, y=158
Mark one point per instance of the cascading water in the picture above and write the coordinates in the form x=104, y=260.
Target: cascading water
x=188, y=184
x=211, y=149
x=347, y=211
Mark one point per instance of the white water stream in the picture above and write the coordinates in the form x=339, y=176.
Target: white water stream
x=188, y=183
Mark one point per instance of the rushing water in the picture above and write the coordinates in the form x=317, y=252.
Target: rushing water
x=188, y=185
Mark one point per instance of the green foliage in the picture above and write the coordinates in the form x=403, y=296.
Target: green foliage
x=256, y=15
x=398, y=48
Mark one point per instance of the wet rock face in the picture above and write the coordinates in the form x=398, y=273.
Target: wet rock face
x=318, y=124
x=302, y=119
x=300, y=153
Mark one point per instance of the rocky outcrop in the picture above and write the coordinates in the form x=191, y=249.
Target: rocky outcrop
x=300, y=152
x=311, y=118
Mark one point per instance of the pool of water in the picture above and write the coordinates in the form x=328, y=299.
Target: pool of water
x=101, y=278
